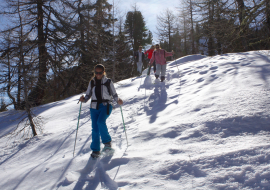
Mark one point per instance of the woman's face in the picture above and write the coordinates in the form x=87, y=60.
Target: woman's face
x=99, y=73
x=157, y=46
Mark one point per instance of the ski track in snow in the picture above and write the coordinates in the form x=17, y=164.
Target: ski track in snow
x=205, y=127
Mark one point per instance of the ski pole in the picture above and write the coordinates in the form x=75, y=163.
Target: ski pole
x=77, y=127
x=124, y=123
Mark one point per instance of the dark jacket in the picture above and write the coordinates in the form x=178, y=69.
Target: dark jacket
x=136, y=56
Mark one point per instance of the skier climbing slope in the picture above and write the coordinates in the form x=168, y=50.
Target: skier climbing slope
x=101, y=90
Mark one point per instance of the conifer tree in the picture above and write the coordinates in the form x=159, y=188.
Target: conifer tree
x=136, y=29
x=149, y=39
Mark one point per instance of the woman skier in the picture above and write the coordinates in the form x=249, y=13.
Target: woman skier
x=102, y=91
x=159, y=56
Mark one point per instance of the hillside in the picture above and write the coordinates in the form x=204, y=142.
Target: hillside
x=206, y=127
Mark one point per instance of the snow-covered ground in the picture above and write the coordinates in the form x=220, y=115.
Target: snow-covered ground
x=206, y=127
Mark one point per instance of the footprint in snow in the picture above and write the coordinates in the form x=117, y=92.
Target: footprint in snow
x=213, y=68
x=200, y=80
x=203, y=72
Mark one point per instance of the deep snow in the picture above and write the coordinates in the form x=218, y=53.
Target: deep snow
x=206, y=127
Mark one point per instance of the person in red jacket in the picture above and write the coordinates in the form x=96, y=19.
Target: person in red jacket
x=150, y=53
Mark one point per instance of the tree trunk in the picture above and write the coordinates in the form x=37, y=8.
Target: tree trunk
x=241, y=16
x=185, y=38
x=24, y=75
x=211, y=50
x=39, y=91
x=19, y=87
x=192, y=29
x=267, y=10
x=81, y=28
x=218, y=32
x=114, y=60
x=170, y=45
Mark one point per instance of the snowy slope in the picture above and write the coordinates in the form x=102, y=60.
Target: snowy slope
x=207, y=127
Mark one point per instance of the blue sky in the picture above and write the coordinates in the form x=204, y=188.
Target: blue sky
x=149, y=9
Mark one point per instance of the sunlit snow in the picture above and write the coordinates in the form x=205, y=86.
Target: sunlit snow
x=206, y=127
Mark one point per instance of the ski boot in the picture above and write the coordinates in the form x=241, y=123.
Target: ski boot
x=162, y=78
x=108, y=148
x=95, y=154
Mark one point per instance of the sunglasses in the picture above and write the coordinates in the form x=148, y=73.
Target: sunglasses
x=157, y=46
x=99, y=73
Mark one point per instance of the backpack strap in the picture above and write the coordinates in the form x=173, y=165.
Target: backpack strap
x=107, y=84
x=92, y=84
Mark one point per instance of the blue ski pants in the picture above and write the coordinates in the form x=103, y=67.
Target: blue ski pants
x=99, y=127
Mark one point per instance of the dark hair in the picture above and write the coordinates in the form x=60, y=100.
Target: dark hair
x=158, y=46
x=100, y=66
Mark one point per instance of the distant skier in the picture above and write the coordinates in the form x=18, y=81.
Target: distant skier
x=102, y=91
x=139, y=58
x=159, y=56
x=150, y=53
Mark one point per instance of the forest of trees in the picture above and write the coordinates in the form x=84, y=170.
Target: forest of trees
x=214, y=27
x=49, y=49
